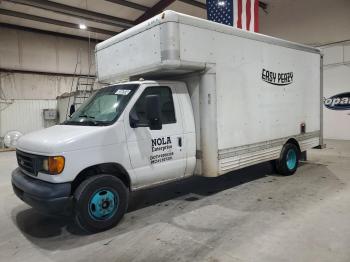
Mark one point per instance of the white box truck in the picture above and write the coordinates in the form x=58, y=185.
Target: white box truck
x=216, y=99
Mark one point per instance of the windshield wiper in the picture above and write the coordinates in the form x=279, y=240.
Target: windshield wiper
x=92, y=123
x=84, y=123
x=86, y=116
x=96, y=123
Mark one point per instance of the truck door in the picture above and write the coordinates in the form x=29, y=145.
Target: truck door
x=157, y=155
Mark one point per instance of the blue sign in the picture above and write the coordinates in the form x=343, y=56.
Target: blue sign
x=338, y=102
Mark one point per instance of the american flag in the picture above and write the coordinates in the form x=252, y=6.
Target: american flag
x=242, y=14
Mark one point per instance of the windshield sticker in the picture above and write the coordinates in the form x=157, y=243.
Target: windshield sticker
x=123, y=92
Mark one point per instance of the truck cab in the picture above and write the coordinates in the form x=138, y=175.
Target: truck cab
x=141, y=133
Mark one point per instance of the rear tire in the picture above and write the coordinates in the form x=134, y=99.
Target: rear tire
x=288, y=162
x=100, y=203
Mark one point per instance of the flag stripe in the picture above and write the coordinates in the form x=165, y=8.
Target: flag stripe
x=235, y=13
x=252, y=15
x=248, y=14
x=244, y=14
x=239, y=13
x=256, y=16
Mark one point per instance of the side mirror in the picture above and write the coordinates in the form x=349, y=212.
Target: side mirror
x=153, y=112
x=71, y=110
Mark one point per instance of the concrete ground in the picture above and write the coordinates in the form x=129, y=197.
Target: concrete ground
x=249, y=215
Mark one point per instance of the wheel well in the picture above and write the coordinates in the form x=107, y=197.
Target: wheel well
x=105, y=168
x=295, y=142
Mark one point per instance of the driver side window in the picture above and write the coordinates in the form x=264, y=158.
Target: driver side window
x=166, y=105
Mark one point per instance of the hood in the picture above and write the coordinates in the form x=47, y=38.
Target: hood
x=64, y=138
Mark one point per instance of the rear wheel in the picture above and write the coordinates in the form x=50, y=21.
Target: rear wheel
x=288, y=162
x=100, y=203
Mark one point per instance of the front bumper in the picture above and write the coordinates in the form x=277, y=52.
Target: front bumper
x=43, y=196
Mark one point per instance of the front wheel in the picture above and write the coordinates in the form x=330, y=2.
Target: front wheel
x=288, y=162
x=100, y=203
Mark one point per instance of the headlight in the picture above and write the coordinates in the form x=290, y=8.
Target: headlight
x=53, y=165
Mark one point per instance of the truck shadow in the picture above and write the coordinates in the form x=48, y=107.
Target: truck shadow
x=199, y=186
x=64, y=234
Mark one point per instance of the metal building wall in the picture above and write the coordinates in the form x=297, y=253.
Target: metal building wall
x=33, y=86
x=23, y=97
x=312, y=22
x=29, y=51
x=35, y=69
x=24, y=115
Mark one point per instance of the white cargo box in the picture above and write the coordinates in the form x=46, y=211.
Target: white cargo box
x=175, y=43
x=251, y=93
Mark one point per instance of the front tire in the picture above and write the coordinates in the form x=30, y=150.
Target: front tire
x=288, y=162
x=100, y=203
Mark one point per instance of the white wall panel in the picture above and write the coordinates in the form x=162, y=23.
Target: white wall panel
x=68, y=51
x=333, y=55
x=34, y=86
x=24, y=115
x=336, y=81
x=21, y=50
x=38, y=52
x=9, y=49
x=347, y=52
x=314, y=22
x=31, y=92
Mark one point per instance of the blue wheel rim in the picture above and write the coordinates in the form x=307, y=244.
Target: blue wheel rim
x=291, y=159
x=103, y=204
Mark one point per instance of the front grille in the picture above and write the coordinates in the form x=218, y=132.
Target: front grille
x=27, y=162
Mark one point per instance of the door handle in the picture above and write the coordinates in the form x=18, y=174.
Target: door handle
x=179, y=140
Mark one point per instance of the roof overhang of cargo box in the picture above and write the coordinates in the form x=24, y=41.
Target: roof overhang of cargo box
x=152, y=48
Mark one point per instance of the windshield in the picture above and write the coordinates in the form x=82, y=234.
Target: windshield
x=105, y=107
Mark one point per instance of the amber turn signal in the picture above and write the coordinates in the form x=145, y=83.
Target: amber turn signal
x=56, y=165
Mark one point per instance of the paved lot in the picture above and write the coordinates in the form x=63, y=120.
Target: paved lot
x=249, y=215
